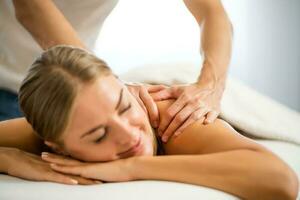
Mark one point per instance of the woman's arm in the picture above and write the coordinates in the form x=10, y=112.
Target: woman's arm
x=220, y=158
x=245, y=173
x=28, y=166
x=18, y=133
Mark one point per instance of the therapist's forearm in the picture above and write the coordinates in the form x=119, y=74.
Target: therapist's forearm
x=216, y=40
x=216, y=47
x=46, y=23
x=244, y=173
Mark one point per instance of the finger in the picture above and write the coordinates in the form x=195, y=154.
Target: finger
x=162, y=94
x=85, y=181
x=211, y=117
x=186, y=124
x=195, y=116
x=59, y=178
x=63, y=160
x=135, y=93
x=69, y=179
x=138, y=99
x=198, y=115
x=74, y=170
x=170, y=113
x=155, y=88
x=151, y=107
x=178, y=120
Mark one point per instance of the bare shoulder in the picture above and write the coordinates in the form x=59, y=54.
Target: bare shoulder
x=202, y=139
x=18, y=133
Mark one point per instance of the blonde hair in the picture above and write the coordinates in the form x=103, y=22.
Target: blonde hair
x=48, y=91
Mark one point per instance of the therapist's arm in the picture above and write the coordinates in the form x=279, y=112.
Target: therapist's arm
x=216, y=39
x=47, y=25
x=201, y=100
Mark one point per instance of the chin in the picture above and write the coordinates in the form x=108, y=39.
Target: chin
x=147, y=151
x=148, y=145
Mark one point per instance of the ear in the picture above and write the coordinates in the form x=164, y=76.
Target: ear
x=56, y=148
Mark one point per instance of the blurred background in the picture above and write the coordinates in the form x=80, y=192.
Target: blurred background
x=266, y=49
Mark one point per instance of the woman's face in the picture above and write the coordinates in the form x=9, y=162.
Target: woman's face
x=107, y=123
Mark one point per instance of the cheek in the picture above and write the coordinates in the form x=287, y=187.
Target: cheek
x=138, y=114
x=138, y=119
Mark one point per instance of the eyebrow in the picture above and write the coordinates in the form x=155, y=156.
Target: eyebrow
x=101, y=125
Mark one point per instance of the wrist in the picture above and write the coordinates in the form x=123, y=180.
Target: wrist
x=130, y=168
x=211, y=85
x=142, y=167
x=211, y=78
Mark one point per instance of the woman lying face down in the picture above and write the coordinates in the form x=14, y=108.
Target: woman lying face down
x=75, y=103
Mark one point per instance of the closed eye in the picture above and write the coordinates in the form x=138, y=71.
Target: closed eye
x=98, y=140
x=125, y=109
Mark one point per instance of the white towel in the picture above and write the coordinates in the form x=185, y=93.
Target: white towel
x=247, y=110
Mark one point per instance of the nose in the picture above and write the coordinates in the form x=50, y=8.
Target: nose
x=125, y=134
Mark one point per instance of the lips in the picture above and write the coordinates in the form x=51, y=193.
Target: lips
x=132, y=150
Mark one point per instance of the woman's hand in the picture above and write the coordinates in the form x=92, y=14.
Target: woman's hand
x=112, y=171
x=141, y=93
x=29, y=166
x=194, y=102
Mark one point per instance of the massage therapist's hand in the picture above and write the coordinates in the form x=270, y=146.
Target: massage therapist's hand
x=29, y=166
x=194, y=102
x=112, y=171
x=141, y=93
